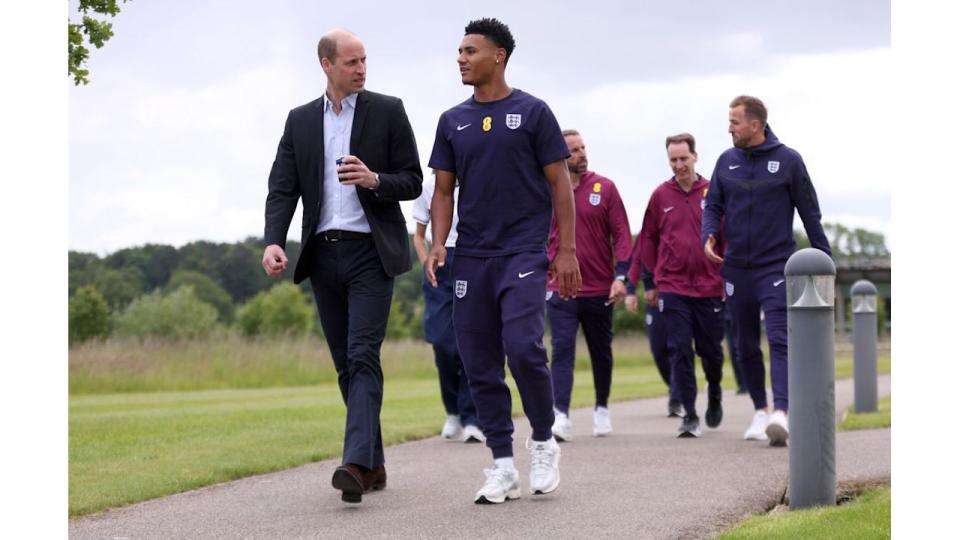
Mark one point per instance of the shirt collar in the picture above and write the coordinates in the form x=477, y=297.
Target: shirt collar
x=349, y=101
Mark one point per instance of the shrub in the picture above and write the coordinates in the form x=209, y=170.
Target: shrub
x=89, y=316
x=279, y=310
x=178, y=315
x=207, y=290
x=119, y=287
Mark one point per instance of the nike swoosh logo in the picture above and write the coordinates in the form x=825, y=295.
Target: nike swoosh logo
x=732, y=167
x=665, y=210
x=525, y=274
x=461, y=128
x=777, y=282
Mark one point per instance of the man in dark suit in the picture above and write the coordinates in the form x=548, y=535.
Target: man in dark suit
x=351, y=156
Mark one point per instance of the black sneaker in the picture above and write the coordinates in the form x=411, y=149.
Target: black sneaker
x=674, y=409
x=690, y=426
x=714, y=408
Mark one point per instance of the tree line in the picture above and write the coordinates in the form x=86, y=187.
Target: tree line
x=160, y=291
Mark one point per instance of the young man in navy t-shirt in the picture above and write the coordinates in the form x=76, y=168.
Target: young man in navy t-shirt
x=506, y=149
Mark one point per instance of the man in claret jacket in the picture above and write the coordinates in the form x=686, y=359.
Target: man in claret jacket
x=688, y=290
x=603, y=238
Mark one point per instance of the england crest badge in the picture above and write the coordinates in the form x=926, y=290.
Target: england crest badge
x=513, y=121
x=773, y=166
x=461, y=288
x=594, y=199
x=729, y=289
x=660, y=304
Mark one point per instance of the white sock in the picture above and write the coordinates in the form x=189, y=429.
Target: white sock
x=504, y=463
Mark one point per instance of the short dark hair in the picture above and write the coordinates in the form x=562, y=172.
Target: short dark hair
x=327, y=47
x=568, y=132
x=683, y=138
x=495, y=31
x=753, y=108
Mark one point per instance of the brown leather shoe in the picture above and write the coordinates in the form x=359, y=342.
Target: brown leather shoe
x=376, y=479
x=350, y=479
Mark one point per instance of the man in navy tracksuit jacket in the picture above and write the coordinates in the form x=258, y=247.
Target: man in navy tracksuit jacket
x=656, y=333
x=756, y=186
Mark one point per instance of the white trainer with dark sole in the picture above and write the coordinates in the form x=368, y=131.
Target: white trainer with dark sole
x=758, y=427
x=562, y=427
x=500, y=486
x=544, y=466
x=777, y=430
x=601, y=422
x=452, y=428
x=472, y=434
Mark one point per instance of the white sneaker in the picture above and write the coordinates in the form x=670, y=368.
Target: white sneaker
x=562, y=427
x=777, y=430
x=452, y=427
x=472, y=434
x=544, y=466
x=758, y=428
x=601, y=422
x=501, y=485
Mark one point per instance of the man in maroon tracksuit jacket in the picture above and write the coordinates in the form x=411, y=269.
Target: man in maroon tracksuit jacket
x=688, y=287
x=603, y=251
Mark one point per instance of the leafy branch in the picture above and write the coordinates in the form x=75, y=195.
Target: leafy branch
x=92, y=31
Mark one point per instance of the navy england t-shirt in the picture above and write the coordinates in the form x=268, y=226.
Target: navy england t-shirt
x=498, y=150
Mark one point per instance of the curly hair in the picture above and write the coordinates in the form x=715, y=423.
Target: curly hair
x=495, y=31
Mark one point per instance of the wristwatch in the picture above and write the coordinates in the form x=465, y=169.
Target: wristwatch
x=622, y=278
x=377, y=176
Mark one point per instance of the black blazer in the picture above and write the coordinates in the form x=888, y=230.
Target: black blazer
x=383, y=139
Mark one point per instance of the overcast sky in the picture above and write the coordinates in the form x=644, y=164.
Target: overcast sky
x=173, y=138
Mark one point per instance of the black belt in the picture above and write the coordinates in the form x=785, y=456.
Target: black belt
x=334, y=235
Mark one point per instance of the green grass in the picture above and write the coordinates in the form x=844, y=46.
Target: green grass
x=131, y=447
x=874, y=420
x=185, y=426
x=866, y=517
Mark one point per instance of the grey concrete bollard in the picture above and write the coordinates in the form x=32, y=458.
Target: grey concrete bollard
x=810, y=275
x=864, y=295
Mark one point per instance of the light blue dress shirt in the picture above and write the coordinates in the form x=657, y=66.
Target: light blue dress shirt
x=341, y=208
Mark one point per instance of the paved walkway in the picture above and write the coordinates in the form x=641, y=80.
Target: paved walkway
x=640, y=482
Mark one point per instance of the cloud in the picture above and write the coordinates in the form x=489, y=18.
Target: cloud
x=826, y=106
x=205, y=139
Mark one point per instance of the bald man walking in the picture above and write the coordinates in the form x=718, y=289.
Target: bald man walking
x=351, y=157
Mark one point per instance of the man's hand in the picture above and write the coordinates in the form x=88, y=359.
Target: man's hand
x=651, y=297
x=274, y=260
x=617, y=292
x=709, y=252
x=566, y=270
x=630, y=302
x=436, y=259
x=353, y=172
